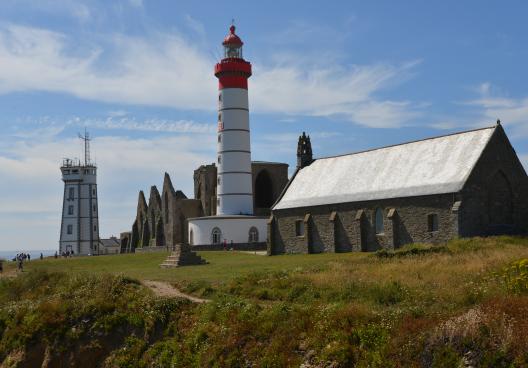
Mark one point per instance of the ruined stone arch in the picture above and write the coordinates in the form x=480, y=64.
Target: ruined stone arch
x=500, y=200
x=263, y=190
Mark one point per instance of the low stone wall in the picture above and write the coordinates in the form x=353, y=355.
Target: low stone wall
x=229, y=246
x=152, y=249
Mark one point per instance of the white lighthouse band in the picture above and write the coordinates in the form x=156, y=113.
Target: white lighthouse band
x=234, y=180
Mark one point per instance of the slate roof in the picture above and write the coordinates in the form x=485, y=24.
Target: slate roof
x=430, y=166
x=111, y=242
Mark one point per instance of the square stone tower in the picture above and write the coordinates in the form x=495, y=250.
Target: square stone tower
x=80, y=215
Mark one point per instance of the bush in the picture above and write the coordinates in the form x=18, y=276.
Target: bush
x=515, y=276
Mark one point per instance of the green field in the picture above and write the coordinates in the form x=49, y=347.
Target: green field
x=222, y=265
x=457, y=304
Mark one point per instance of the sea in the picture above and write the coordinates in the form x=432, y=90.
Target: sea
x=8, y=255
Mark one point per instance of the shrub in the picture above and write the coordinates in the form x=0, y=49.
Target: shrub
x=515, y=276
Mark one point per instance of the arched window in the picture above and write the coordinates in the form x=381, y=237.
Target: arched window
x=216, y=236
x=263, y=190
x=379, y=221
x=191, y=237
x=253, y=235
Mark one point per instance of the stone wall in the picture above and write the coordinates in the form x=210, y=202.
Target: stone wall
x=351, y=226
x=495, y=197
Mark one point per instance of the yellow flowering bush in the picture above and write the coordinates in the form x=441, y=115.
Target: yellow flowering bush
x=516, y=276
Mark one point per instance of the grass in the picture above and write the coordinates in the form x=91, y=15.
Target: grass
x=223, y=265
x=420, y=305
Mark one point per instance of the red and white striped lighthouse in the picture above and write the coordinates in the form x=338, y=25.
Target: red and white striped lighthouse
x=234, y=180
x=234, y=223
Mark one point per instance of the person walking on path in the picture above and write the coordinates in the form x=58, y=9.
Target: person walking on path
x=41, y=256
x=20, y=264
x=28, y=257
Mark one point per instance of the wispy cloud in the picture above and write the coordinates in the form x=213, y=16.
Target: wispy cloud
x=167, y=70
x=349, y=92
x=493, y=104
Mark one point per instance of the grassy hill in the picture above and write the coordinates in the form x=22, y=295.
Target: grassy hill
x=465, y=302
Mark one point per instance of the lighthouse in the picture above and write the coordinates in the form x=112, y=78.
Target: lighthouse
x=234, y=224
x=234, y=186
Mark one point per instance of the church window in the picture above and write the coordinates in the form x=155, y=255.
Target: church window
x=378, y=219
x=253, y=235
x=70, y=210
x=216, y=236
x=299, y=228
x=432, y=222
x=71, y=193
x=191, y=237
x=70, y=229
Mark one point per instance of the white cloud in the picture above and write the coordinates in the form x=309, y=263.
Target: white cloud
x=492, y=104
x=167, y=70
x=333, y=91
x=30, y=173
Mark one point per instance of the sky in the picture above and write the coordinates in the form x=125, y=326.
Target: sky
x=138, y=75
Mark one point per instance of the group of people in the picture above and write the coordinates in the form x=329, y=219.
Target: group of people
x=20, y=258
x=67, y=254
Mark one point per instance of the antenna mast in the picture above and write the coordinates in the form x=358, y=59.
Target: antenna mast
x=86, y=138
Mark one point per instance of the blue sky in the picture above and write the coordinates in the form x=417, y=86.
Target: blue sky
x=139, y=75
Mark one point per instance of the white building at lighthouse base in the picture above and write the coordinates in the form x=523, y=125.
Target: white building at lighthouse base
x=231, y=231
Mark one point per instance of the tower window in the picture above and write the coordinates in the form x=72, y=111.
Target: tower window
x=432, y=222
x=93, y=192
x=218, y=180
x=216, y=236
x=219, y=97
x=71, y=193
x=299, y=228
x=219, y=138
x=70, y=210
x=69, y=230
x=219, y=159
x=253, y=235
x=218, y=202
x=378, y=219
x=94, y=208
x=219, y=116
x=95, y=227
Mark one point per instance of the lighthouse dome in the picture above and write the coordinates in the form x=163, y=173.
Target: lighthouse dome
x=232, y=39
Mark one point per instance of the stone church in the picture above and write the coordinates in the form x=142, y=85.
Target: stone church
x=433, y=190
x=162, y=220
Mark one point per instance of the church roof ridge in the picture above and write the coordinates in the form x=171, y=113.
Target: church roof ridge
x=408, y=142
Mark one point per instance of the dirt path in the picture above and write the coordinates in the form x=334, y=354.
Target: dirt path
x=165, y=289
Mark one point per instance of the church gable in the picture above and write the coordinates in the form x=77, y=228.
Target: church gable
x=431, y=166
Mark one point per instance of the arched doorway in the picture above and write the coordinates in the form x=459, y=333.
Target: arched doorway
x=263, y=190
x=500, y=203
